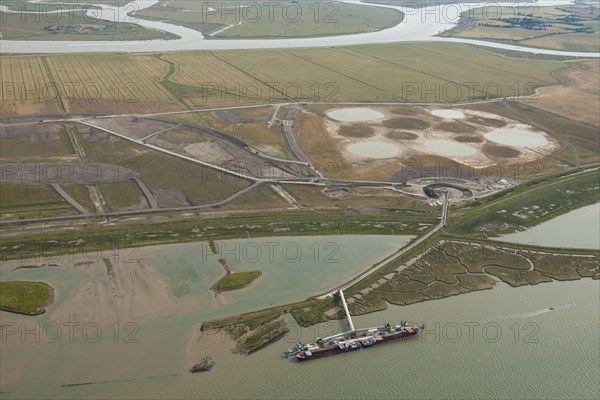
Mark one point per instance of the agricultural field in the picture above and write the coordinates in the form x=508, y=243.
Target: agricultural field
x=93, y=83
x=27, y=87
x=398, y=72
x=141, y=83
x=571, y=42
x=578, y=99
x=247, y=19
x=565, y=27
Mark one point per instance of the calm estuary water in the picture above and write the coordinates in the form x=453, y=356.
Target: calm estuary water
x=577, y=229
x=419, y=24
x=499, y=343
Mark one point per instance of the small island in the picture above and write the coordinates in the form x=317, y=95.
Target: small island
x=237, y=280
x=25, y=297
x=234, y=280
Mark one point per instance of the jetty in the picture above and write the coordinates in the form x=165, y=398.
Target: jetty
x=352, y=339
x=348, y=316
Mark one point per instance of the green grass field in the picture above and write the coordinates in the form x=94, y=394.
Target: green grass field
x=263, y=335
x=526, y=205
x=269, y=141
x=565, y=27
x=201, y=185
x=261, y=198
x=569, y=41
x=120, y=195
x=386, y=73
x=25, y=297
x=32, y=27
x=250, y=19
x=30, y=201
x=81, y=194
x=41, y=142
x=237, y=280
x=375, y=73
x=128, y=234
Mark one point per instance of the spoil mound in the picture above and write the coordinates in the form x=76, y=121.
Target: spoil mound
x=406, y=123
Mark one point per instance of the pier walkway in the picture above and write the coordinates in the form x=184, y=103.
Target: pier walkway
x=347, y=311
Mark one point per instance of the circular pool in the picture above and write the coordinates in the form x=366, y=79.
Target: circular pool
x=374, y=149
x=354, y=114
x=449, y=147
x=517, y=138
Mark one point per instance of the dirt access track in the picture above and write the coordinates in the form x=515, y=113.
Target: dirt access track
x=204, y=144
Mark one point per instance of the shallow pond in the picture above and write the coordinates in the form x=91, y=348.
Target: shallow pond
x=491, y=337
x=449, y=147
x=355, y=114
x=374, y=149
x=517, y=137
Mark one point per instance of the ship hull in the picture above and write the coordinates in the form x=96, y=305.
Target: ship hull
x=325, y=354
x=392, y=338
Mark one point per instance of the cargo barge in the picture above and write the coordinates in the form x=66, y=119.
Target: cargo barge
x=353, y=339
x=337, y=345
